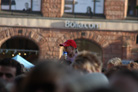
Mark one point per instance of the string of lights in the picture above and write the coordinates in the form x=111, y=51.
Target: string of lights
x=18, y=51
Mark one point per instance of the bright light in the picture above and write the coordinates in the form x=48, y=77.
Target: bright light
x=25, y=54
x=13, y=55
x=19, y=53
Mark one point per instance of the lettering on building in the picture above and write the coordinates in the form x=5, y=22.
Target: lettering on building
x=70, y=24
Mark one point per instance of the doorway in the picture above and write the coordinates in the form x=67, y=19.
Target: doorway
x=20, y=46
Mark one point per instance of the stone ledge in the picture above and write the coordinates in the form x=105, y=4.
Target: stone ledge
x=113, y=25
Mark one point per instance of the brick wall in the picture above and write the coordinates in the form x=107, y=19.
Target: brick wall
x=52, y=8
x=115, y=9
x=113, y=44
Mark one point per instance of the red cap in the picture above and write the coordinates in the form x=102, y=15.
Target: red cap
x=69, y=43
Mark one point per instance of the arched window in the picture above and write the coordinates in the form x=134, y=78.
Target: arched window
x=88, y=45
x=21, y=46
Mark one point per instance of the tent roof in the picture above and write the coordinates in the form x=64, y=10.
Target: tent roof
x=21, y=60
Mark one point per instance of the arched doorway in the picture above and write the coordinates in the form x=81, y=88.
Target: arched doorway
x=21, y=46
x=88, y=45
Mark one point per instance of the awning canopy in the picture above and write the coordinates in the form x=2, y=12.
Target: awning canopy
x=21, y=60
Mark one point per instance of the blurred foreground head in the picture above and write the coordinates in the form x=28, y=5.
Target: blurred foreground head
x=104, y=90
x=87, y=82
x=125, y=80
x=48, y=76
x=18, y=82
x=115, y=69
x=87, y=62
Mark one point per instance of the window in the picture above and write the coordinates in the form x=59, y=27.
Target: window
x=5, y=4
x=21, y=5
x=132, y=8
x=86, y=7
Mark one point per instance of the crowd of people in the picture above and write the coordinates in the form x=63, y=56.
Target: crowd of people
x=73, y=72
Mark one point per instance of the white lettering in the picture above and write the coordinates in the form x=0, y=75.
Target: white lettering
x=90, y=26
x=69, y=24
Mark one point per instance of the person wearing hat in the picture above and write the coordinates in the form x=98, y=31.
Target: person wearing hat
x=70, y=48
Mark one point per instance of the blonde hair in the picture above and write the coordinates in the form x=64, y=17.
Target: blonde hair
x=115, y=61
x=133, y=66
x=86, y=61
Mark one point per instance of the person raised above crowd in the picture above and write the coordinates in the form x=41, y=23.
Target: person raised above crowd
x=70, y=48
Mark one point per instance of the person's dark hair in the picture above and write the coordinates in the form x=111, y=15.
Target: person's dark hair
x=44, y=76
x=86, y=60
x=104, y=90
x=12, y=63
x=18, y=82
x=114, y=69
x=136, y=61
x=130, y=73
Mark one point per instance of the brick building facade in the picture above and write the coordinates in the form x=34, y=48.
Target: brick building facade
x=47, y=33
x=113, y=44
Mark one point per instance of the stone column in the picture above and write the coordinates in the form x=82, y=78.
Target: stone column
x=52, y=8
x=116, y=9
